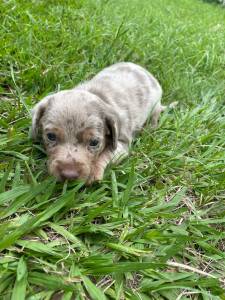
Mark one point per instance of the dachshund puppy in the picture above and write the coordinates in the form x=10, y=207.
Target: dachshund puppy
x=85, y=128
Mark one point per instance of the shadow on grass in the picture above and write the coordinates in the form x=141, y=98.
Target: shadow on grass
x=215, y=1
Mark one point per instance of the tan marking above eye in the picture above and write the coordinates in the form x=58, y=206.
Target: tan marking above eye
x=86, y=134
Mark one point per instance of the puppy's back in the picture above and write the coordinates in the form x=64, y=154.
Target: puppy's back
x=130, y=89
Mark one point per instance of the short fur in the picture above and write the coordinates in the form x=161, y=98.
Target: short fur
x=110, y=108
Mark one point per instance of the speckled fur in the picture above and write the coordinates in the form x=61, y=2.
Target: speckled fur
x=111, y=107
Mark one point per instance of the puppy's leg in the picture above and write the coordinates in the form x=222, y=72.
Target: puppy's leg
x=158, y=110
x=155, y=116
x=104, y=159
x=120, y=153
x=171, y=106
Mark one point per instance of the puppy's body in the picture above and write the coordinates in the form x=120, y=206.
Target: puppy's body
x=131, y=91
x=107, y=110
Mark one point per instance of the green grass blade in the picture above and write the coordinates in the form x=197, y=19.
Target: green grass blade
x=38, y=220
x=19, y=290
x=13, y=194
x=94, y=292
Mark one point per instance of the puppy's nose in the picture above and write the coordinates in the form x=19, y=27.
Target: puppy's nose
x=70, y=174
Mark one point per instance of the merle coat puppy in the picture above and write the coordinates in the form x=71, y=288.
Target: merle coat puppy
x=85, y=128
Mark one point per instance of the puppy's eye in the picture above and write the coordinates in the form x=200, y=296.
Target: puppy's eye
x=51, y=137
x=93, y=143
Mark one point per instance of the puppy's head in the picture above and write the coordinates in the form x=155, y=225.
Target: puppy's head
x=76, y=127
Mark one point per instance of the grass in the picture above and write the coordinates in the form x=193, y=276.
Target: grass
x=154, y=228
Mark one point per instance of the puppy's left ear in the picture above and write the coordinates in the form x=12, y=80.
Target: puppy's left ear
x=37, y=113
x=112, y=129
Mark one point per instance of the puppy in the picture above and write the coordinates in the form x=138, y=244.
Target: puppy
x=85, y=128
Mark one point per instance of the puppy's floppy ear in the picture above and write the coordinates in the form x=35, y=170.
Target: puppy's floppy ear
x=37, y=113
x=112, y=129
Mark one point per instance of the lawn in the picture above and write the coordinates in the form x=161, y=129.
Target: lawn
x=154, y=228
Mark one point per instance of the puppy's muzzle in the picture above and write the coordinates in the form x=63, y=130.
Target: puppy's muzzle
x=68, y=170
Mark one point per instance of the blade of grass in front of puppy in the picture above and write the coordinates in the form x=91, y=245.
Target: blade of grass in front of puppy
x=5, y=177
x=114, y=190
x=13, y=194
x=96, y=195
x=94, y=292
x=65, y=184
x=67, y=295
x=34, y=181
x=162, y=284
x=175, y=200
x=15, y=154
x=48, y=193
x=19, y=290
x=68, y=236
x=119, y=284
x=210, y=249
x=127, y=192
x=38, y=247
x=122, y=267
x=75, y=272
x=98, y=211
x=36, y=221
x=51, y=282
x=6, y=281
x=16, y=178
x=23, y=200
x=128, y=250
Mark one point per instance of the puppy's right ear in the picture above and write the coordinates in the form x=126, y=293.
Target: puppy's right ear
x=37, y=113
x=112, y=130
